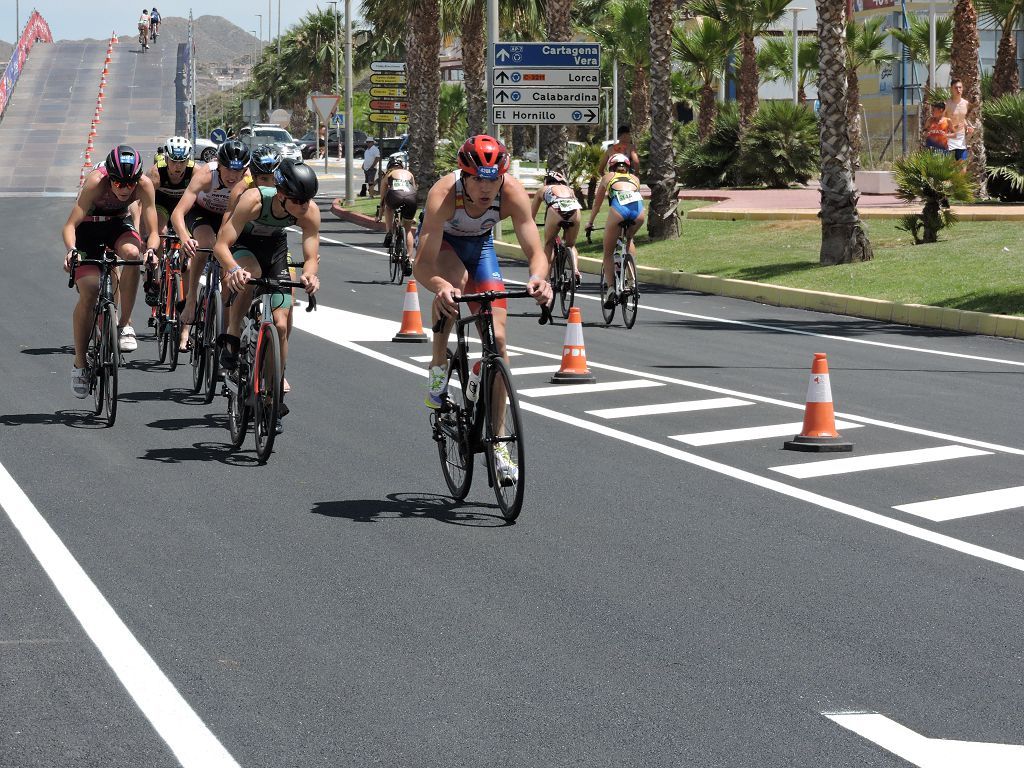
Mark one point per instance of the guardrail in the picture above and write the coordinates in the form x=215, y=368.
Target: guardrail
x=36, y=31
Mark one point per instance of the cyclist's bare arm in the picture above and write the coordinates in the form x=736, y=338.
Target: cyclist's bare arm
x=310, y=224
x=200, y=181
x=236, y=192
x=76, y=217
x=439, y=208
x=247, y=210
x=538, y=197
x=598, y=199
x=147, y=196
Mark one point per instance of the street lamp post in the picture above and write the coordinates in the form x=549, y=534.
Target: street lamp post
x=349, y=150
x=337, y=86
x=260, y=38
x=931, y=44
x=796, y=55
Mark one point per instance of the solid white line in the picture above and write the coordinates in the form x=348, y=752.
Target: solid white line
x=684, y=407
x=968, y=505
x=878, y=461
x=722, y=436
x=575, y=389
x=174, y=720
x=939, y=539
x=339, y=242
x=535, y=369
x=428, y=358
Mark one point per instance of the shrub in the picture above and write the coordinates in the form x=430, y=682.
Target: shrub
x=581, y=171
x=1003, y=119
x=936, y=178
x=711, y=163
x=780, y=146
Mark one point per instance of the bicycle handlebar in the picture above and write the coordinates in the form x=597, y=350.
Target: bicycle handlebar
x=276, y=285
x=77, y=261
x=487, y=297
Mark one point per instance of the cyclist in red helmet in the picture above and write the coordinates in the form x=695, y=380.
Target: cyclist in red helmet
x=455, y=250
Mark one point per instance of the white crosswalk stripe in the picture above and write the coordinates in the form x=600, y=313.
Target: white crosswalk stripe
x=967, y=505
x=878, y=461
x=661, y=408
x=718, y=437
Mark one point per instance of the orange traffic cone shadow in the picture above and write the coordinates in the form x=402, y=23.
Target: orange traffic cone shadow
x=574, y=355
x=412, y=325
x=819, y=430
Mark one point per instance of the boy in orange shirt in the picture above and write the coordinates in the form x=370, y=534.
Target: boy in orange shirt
x=937, y=128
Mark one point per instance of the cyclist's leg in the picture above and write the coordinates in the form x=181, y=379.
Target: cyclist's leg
x=247, y=261
x=127, y=245
x=569, y=236
x=451, y=268
x=633, y=229
x=205, y=235
x=87, y=281
x=551, y=219
x=387, y=216
x=611, y=235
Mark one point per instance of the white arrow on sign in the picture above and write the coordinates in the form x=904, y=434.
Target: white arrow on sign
x=925, y=752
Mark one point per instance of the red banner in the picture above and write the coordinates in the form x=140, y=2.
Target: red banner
x=36, y=31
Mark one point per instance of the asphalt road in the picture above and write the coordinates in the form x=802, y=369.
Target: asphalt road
x=660, y=602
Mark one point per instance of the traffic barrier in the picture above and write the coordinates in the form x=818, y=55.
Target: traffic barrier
x=819, y=429
x=574, y=368
x=412, y=324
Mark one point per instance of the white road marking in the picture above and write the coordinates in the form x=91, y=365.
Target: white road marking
x=658, y=408
x=535, y=369
x=954, y=507
x=924, y=752
x=722, y=436
x=428, y=358
x=376, y=251
x=878, y=461
x=575, y=389
x=849, y=510
x=173, y=719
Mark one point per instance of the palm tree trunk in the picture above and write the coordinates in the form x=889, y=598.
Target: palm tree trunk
x=843, y=239
x=424, y=89
x=964, y=65
x=661, y=221
x=749, y=80
x=708, y=108
x=473, y=59
x=640, y=104
x=559, y=27
x=853, y=116
x=1005, y=77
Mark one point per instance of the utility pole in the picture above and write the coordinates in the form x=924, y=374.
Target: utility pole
x=349, y=150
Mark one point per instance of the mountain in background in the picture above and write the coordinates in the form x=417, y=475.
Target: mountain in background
x=6, y=49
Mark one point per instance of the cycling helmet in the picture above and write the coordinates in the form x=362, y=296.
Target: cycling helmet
x=398, y=160
x=178, y=148
x=265, y=159
x=619, y=159
x=233, y=154
x=124, y=164
x=555, y=177
x=484, y=157
x=297, y=181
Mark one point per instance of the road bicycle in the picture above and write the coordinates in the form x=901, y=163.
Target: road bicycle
x=563, y=276
x=170, y=300
x=102, y=357
x=207, y=327
x=625, y=287
x=254, y=386
x=480, y=411
x=154, y=30
x=144, y=39
x=398, y=256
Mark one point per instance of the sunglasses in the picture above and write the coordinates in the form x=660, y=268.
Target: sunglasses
x=296, y=200
x=124, y=184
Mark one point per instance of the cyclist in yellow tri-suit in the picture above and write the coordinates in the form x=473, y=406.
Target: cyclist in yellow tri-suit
x=622, y=188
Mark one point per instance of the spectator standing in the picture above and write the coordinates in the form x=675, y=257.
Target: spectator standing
x=956, y=110
x=371, y=161
x=937, y=128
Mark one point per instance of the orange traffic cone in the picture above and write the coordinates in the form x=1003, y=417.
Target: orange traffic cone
x=819, y=430
x=574, y=355
x=412, y=325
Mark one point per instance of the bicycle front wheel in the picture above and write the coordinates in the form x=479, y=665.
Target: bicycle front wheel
x=630, y=296
x=197, y=355
x=266, y=376
x=213, y=325
x=110, y=360
x=174, y=321
x=503, y=439
x=451, y=431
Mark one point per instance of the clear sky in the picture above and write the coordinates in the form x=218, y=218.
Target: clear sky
x=77, y=19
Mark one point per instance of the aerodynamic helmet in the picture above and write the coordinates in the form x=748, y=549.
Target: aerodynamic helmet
x=178, y=148
x=619, y=159
x=484, y=157
x=124, y=164
x=233, y=154
x=265, y=159
x=297, y=181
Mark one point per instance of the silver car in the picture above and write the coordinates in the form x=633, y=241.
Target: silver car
x=271, y=134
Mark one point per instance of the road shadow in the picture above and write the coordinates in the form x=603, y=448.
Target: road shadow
x=413, y=506
x=67, y=349
x=369, y=282
x=207, y=420
x=74, y=419
x=181, y=395
x=201, y=451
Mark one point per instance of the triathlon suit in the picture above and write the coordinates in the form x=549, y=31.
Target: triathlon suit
x=167, y=192
x=264, y=239
x=566, y=206
x=627, y=202
x=401, y=196
x=211, y=204
x=106, y=224
x=472, y=241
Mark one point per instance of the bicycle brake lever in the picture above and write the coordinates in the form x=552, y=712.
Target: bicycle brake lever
x=545, y=313
x=311, y=304
x=439, y=325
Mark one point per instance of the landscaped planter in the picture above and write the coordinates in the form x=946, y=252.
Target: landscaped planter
x=876, y=183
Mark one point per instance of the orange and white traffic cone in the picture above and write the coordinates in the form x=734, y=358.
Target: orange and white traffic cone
x=819, y=430
x=574, y=354
x=412, y=325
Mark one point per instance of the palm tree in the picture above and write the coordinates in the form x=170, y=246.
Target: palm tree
x=624, y=35
x=964, y=65
x=662, y=222
x=866, y=48
x=916, y=41
x=465, y=19
x=559, y=27
x=1005, y=14
x=775, y=62
x=702, y=51
x=423, y=43
x=748, y=19
x=843, y=238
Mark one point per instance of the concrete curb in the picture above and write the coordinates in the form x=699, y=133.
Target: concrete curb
x=965, y=213
x=944, y=318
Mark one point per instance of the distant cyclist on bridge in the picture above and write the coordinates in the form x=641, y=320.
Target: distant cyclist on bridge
x=154, y=22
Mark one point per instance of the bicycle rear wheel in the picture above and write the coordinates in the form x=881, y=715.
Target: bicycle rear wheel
x=174, y=321
x=451, y=431
x=503, y=439
x=400, y=254
x=214, y=324
x=608, y=313
x=94, y=362
x=630, y=296
x=110, y=360
x=197, y=355
x=566, y=280
x=267, y=375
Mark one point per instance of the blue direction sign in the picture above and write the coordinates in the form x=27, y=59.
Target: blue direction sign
x=549, y=54
x=218, y=135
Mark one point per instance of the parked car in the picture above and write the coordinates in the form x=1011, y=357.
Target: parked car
x=205, y=150
x=258, y=134
x=307, y=144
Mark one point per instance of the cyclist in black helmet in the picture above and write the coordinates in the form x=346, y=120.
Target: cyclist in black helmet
x=253, y=243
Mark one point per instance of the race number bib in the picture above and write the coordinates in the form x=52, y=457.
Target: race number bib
x=625, y=197
x=400, y=184
x=566, y=205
